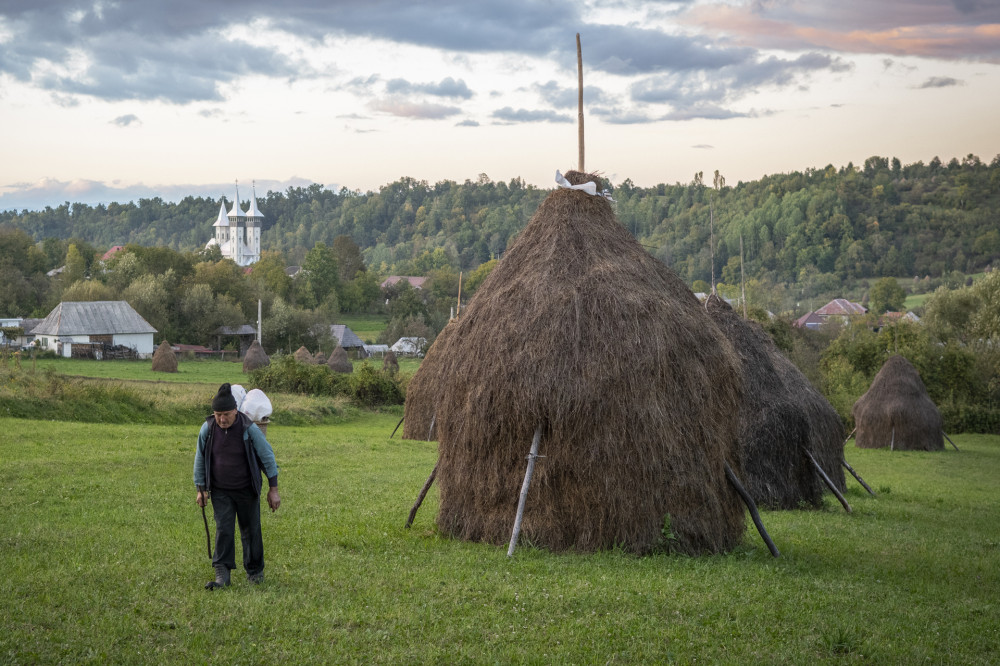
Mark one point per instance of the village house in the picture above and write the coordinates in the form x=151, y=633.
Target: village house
x=839, y=309
x=92, y=329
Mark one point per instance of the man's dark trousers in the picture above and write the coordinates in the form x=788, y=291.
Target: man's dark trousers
x=230, y=507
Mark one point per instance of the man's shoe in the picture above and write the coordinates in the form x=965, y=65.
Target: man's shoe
x=221, y=578
x=256, y=579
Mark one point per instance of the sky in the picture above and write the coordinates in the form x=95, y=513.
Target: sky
x=113, y=100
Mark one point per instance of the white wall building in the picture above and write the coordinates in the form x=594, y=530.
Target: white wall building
x=95, y=323
x=237, y=233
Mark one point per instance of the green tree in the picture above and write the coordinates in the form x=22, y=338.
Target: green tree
x=348, y=256
x=88, y=290
x=322, y=272
x=886, y=296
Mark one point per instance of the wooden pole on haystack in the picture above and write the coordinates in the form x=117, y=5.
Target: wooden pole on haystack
x=458, y=311
x=524, y=489
x=829, y=484
x=743, y=282
x=579, y=113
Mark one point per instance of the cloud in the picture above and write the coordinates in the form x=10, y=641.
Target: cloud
x=467, y=123
x=126, y=120
x=940, y=82
x=700, y=92
x=447, y=87
x=703, y=146
x=510, y=115
x=38, y=195
x=961, y=29
x=564, y=97
x=406, y=109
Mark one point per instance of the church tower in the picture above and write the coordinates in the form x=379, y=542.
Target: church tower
x=237, y=233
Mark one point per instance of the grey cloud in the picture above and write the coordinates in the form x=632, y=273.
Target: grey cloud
x=447, y=87
x=566, y=97
x=406, y=109
x=691, y=94
x=179, y=51
x=615, y=116
x=703, y=146
x=467, y=123
x=126, y=120
x=511, y=115
x=940, y=82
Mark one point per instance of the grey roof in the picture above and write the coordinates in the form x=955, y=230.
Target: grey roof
x=244, y=329
x=345, y=337
x=93, y=318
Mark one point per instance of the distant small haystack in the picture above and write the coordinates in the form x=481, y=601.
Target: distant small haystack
x=319, y=358
x=779, y=424
x=389, y=363
x=302, y=355
x=255, y=358
x=164, y=359
x=581, y=334
x=897, y=413
x=338, y=361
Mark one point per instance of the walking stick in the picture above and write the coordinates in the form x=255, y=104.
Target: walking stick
x=208, y=538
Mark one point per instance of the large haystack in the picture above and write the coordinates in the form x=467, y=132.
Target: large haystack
x=580, y=330
x=338, y=361
x=164, y=359
x=423, y=393
x=781, y=420
x=896, y=411
x=255, y=357
x=302, y=355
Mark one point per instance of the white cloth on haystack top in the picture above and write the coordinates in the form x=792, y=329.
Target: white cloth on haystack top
x=239, y=393
x=256, y=405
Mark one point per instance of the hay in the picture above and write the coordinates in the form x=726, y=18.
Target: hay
x=389, y=363
x=164, y=359
x=581, y=330
x=423, y=393
x=302, y=355
x=319, y=358
x=255, y=358
x=896, y=410
x=780, y=419
x=338, y=361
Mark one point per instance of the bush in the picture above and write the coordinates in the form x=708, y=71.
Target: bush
x=371, y=387
x=970, y=418
x=286, y=375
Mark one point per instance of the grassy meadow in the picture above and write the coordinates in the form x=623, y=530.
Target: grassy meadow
x=104, y=559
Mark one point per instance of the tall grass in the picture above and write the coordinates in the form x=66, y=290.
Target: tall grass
x=103, y=557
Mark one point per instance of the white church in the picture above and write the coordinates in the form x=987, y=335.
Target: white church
x=237, y=233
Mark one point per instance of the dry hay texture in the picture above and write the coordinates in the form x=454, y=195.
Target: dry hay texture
x=782, y=417
x=164, y=359
x=580, y=330
x=255, y=357
x=423, y=393
x=896, y=411
x=319, y=358
x=302, y=355
x=390, y=363
x=338, y=361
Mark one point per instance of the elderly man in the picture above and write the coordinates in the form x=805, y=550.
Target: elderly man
x=232, y=451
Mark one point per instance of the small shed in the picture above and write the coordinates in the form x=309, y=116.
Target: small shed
x=347, y=339
x=246, y=333
x=95, y=326
x=409, y=346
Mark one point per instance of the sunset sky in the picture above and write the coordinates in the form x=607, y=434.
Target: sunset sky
x=114, y=100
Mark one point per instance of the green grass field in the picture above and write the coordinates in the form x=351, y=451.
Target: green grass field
x=104, y=560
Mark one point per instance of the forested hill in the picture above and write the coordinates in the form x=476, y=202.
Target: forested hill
x=815, y=227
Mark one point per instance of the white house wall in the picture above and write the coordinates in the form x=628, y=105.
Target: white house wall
x=143, y=342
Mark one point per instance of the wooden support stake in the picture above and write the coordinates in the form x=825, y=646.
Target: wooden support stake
x=949, y=439
x=849, y=436
x=423, y=493
x=524, y=490
x=397, y=427
x=431, y=429
x=579, y=113
x=856, y=476
x=892, y=441
x=752, y=507
x=828, y=482
x=459, y=310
